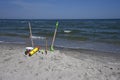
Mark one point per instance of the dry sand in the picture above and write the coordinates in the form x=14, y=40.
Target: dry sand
x=57, y=65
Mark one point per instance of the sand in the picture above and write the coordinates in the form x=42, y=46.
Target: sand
x=58, y=65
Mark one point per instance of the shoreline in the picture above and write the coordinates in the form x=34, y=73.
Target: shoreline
x=77, y=51
x=64, y=43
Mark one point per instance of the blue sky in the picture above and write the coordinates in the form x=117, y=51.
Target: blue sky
x=59, y=9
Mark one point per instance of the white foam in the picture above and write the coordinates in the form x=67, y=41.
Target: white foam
x=38, y=37
x=12, y=42
x=67, y=31
x=1, y=41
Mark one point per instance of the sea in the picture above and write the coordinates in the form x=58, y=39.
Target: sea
x=89, y=34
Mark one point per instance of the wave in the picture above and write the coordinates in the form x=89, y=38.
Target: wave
x=14, y=35
x=12, y=42
x=38, y=37
x=67, y=31
x=1, y=41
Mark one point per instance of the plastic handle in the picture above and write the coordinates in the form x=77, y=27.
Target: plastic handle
x=57, y=23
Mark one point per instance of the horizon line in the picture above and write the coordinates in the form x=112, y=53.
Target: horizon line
x=58, y=18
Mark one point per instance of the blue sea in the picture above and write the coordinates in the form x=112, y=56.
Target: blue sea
x=90, y=34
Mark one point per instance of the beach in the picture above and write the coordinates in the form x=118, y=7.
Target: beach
x=62, y=64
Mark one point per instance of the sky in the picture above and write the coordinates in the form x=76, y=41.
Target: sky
x=59, y=9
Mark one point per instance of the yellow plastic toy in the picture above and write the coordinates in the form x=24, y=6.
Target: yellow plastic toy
x=33, y=51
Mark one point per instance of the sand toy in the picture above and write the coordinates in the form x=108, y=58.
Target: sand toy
x=33, y=51
x=28, y=49
x=52, y=45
